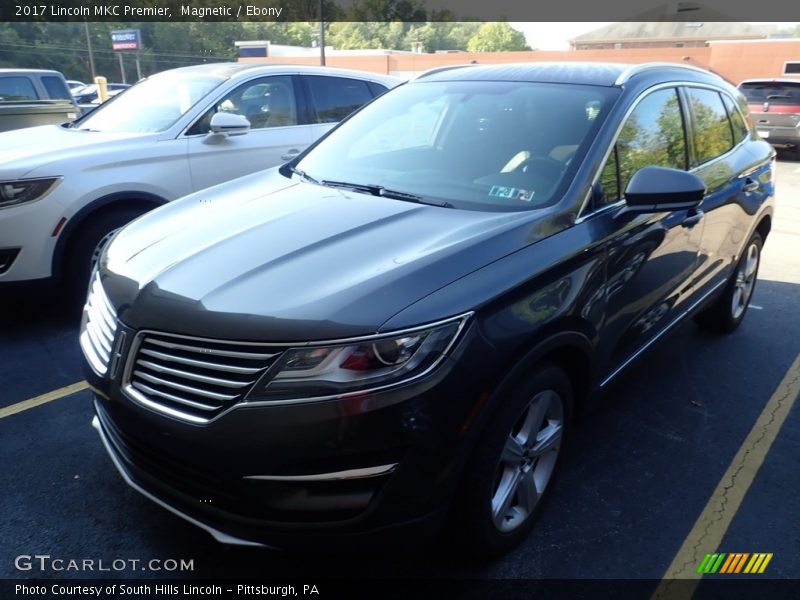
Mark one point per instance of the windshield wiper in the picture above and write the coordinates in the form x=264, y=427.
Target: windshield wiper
x=303, y=175
x=379, y=190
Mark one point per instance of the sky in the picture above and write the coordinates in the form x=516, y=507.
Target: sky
x=556, y=36
x=553, y=36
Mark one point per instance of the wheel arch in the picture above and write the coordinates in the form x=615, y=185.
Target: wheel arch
x=102, y=205
x=570, y=350
x=764, y=226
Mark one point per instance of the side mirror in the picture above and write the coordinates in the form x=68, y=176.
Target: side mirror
x=659, y=189
x=229, y=124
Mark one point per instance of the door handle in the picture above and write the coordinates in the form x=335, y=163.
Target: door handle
x=750, y=185
x=290, y=154
x=693, y=218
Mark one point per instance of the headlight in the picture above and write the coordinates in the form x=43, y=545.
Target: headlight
x=24, y=190
x=360, y=365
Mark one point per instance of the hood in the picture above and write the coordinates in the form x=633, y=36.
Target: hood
x=267, y=259
x=23, y=150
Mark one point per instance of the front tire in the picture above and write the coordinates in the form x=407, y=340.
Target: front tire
x=514, y=464
x=87, y=244
x=728, y=311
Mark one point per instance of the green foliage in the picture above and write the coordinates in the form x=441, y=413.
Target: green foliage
x=167, y=45
x=497, y=37
x=441, y=36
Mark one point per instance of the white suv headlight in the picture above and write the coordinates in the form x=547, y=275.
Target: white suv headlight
x=25, y=190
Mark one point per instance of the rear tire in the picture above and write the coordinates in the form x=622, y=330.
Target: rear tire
x=728, y=311
x=513, y=465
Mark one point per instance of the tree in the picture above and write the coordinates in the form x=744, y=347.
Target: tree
x=497, y=37
x=441, y=36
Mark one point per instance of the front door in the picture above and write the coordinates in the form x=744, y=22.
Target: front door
x=651, y=259
x=270, y=104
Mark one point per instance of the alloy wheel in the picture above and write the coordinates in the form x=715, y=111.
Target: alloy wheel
x=745, y=281
x=527, y=461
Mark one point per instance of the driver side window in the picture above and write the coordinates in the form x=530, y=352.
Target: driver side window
x=266, y=102
x=654, y=134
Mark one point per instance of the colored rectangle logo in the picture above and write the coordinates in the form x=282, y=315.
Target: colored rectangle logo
x=735, y=563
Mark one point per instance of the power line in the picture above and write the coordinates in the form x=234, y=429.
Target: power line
x=43, y=47
x=165, y=61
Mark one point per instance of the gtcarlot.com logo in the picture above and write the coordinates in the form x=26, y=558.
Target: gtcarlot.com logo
x=46, y=562
x=733, y=563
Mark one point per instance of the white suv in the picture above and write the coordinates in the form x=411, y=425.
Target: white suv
x=64, y=189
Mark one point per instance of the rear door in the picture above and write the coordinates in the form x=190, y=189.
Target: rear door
x=736, y=181
x=331, y=99
x=272, y=105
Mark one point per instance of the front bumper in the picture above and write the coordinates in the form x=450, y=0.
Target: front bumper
x=28, y=231
x=379, y=468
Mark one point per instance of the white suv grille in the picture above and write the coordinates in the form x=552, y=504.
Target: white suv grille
x=98, y=327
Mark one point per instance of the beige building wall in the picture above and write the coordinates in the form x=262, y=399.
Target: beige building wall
x=733, y=60
x=751, y=60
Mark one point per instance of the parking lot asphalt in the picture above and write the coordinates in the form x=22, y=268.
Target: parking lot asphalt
x=639, y=472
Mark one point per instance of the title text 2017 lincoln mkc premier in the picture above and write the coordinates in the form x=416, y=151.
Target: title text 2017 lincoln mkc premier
x=398, y=325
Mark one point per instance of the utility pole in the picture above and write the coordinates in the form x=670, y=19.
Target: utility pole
x=321, y=35
x=89, y=48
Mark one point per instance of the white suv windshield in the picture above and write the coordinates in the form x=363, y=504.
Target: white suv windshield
x=483, y=145
x=152, y=105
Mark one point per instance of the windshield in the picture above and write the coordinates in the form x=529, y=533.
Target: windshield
x=152, y=105
x=775, y=92
x=482, y=145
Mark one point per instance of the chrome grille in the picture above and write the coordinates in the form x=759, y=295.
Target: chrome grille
x=98, y=327
x=194, y=379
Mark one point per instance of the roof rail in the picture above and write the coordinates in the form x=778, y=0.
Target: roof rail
x=636, y=69
x=435, y=70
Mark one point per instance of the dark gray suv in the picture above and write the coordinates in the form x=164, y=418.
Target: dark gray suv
x=399, y=325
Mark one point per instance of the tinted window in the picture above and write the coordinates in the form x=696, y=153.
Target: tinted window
x=740, y=129
x=377, y=88
x=609, y=181
x=781, y=93
x=56, y=88
x=712, y=129
x=653, y=135
x=336, y=97
x=266, y=102
x=16, y=89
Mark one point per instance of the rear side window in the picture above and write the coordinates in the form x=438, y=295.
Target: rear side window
x=336, y=97
x=377, y=88
x=778, y=93
x=712, y=129
x=653, y=135
x=56, y=88
x=740, y=129
x=17, y=89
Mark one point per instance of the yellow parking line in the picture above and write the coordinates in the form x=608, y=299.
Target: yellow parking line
x=7, y=411
x=713, y=522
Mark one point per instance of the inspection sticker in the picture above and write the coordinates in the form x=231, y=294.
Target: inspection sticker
x=501, y=191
